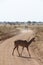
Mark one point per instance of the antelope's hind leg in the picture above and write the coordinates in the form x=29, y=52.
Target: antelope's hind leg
x=18, y=51
x=13, y=50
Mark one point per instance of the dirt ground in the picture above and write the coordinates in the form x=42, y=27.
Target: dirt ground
x=6, y=48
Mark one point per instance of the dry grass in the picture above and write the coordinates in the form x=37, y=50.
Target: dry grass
x=38, y=46
x=7, y=31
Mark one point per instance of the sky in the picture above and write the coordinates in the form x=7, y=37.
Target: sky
x=21, y=10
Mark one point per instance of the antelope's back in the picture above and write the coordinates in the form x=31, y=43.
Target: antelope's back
x=20, y=42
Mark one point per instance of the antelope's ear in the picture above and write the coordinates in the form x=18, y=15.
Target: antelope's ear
x=36, y=38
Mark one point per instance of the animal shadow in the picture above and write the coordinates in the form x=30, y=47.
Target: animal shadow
x=24, y=57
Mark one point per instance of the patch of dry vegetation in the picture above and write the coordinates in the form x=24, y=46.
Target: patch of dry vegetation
x=7, y=31
x=38, y=45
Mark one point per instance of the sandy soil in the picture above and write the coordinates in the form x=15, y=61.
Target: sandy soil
x=6, y=49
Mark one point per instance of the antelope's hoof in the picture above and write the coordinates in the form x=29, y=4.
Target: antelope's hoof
x=29, y=56
x=12, y=54
x=19, y=54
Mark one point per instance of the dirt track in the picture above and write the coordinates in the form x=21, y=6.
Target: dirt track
x=6, y=49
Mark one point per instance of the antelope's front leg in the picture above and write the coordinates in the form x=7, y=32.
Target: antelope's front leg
x=28, y=52
x=22, y=51
x=13, y=50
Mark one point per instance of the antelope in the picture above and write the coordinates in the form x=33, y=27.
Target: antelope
x=22, y=43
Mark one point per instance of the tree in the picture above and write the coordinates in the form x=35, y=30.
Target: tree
x=28, y=22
